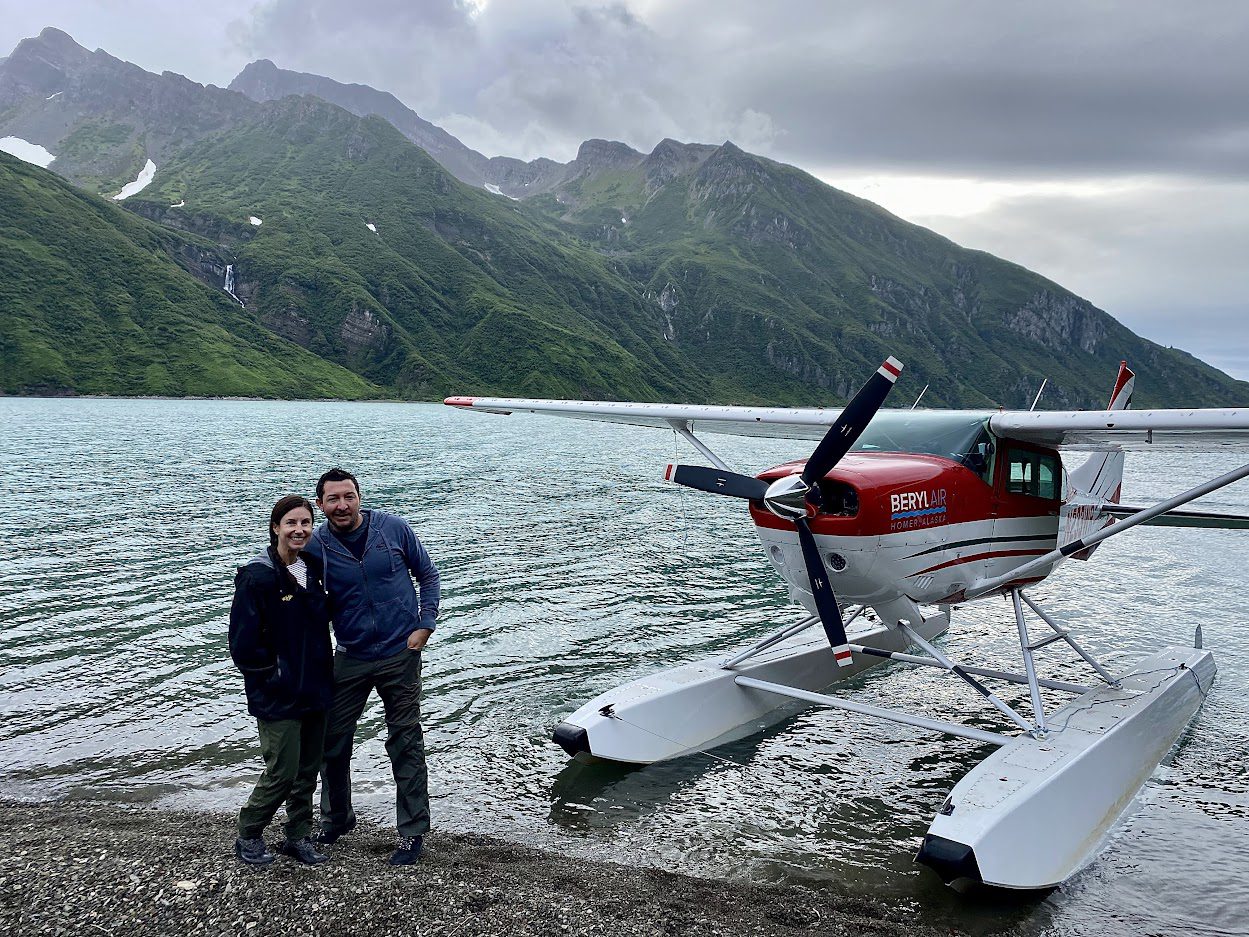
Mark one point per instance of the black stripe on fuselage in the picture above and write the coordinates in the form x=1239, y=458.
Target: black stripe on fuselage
x=997, y=541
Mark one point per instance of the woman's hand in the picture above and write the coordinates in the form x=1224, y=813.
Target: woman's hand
x=418, y=639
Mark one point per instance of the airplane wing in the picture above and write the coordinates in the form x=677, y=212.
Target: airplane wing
x=1144, y=430
x=774, y=422
x=1139, y=430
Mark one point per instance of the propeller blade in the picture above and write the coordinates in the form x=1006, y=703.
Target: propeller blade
x=858, y=413
x=717, y=481
x=825, y=600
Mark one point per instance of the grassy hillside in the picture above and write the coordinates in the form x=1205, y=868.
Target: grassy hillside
x=766, y=269
x=456, y=290
x=93, y=303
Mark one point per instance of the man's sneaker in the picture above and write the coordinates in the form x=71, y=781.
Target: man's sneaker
x=328, y=835
x=408, y=852
x=253, y=851
x=303, y=850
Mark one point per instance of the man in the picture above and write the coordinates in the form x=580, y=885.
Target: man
x=380, y=626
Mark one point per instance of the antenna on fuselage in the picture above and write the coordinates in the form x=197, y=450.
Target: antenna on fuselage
x=1036, y=399
x=920, y=397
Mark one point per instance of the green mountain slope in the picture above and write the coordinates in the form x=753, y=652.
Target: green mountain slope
x=766, y=269
x=91, y=301
x=453, y=290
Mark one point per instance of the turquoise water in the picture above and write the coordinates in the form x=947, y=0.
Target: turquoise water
x=568, y=568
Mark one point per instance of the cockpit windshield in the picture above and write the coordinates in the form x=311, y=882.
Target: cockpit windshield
x=952, y=434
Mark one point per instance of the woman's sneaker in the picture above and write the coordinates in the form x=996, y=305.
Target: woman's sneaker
x=303, y=850
x=408, y=852
x=253, y=851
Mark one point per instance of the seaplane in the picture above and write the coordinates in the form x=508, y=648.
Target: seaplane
x=900, y=510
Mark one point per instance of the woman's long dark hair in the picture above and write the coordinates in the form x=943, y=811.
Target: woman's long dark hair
x=284, y=507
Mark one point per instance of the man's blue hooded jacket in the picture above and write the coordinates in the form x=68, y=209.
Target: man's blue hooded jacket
x=374, y=602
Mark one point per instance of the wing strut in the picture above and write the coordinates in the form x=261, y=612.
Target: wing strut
x=683, y=429
x=984, y=586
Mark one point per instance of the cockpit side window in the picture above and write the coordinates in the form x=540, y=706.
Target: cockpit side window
x=1036, y=474
x=979, y=458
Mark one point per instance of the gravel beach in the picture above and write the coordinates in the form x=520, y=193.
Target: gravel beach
x=88, y=868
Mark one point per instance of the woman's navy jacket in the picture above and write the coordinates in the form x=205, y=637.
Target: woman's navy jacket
x=280, y=638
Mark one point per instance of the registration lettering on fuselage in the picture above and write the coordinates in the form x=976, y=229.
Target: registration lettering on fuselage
x=911, y=509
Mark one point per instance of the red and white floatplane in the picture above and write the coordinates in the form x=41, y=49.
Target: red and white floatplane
x=900, y=509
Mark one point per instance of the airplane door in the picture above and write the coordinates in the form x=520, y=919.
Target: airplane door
x=1027, y=497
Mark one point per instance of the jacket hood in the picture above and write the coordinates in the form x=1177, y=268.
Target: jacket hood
x=261, y=559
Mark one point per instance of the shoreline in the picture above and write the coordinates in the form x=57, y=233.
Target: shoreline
x=84, y=867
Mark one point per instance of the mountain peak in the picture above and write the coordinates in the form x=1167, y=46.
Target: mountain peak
x=671, y=158
x=260, y=66
x=607, y=154
x=40, y=66
x=52, y=46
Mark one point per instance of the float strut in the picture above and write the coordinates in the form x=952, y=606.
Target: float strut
x=1062, y=633
x=962, y=674
x=1038, y=708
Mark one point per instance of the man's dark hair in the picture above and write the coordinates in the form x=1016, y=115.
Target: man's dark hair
x=284, y=507
x=336, y=475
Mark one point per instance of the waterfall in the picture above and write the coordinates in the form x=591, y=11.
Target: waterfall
x=229, y=284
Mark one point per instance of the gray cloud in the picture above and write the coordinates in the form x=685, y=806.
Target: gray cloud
x=1163, y=256
x=974, y=86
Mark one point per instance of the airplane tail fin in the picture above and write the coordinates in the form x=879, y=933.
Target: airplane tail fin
x=1099, y=480
x=1101, y=477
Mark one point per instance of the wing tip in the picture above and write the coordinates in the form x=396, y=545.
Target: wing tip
x=459, y=401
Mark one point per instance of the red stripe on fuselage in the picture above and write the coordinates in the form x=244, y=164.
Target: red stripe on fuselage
x=459, y=401
x=992, y=554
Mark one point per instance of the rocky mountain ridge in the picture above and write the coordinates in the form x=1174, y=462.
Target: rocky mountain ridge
x=695, y=272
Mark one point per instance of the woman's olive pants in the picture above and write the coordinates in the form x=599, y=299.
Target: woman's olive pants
x=292, y=750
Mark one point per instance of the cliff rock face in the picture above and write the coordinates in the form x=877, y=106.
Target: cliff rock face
x=1058, y=322
x=364, y=331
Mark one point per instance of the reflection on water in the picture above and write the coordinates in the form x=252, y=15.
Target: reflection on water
x=568, y=568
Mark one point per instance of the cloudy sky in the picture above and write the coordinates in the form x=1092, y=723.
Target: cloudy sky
x=1102, y=143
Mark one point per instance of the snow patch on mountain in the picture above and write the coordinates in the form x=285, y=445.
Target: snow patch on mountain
x=495, y=190
x=141, y=182
x=25, y=150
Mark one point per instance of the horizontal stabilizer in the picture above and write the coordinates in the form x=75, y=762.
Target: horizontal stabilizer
x=1183, y=518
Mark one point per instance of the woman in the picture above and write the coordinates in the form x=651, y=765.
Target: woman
x=280, y=639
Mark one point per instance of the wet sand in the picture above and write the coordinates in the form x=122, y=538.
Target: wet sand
x=79, y=868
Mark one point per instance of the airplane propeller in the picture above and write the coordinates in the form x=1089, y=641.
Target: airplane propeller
x=797, y=497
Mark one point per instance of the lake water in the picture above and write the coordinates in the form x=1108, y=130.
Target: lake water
x=569, y=567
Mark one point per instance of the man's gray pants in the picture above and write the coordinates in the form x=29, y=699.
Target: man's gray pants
x=398, y=682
